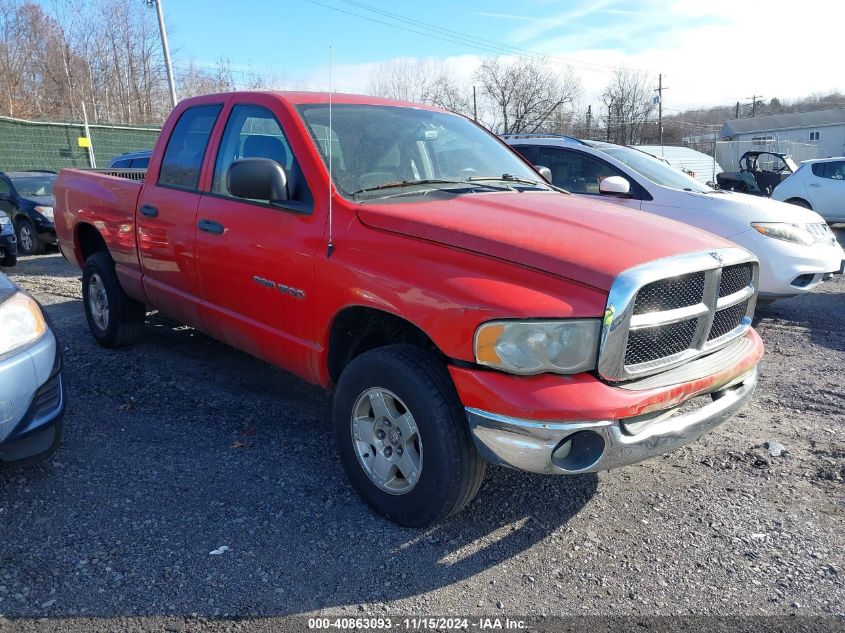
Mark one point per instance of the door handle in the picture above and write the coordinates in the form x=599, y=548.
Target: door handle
x=814, y=184
x=149, y=211
x=210, y=226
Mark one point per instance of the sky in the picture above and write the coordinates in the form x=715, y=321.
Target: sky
x=710, y=52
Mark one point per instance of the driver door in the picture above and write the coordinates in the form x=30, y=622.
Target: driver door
x=256, y=260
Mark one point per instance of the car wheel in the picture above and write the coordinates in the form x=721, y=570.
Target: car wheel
x=114, y=318
x=798, y=202
x=28, y=242
x=9, y=260
x=403, y=436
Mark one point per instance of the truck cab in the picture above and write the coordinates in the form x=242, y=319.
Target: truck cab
x=462, y=309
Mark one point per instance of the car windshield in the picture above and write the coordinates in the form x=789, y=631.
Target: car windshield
x=381, y=151
x=34, y=185
x=655, y=170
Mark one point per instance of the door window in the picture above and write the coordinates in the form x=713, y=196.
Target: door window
x=182, y=162
x=834, y=170
x=574, y=171
x=254, y=132
x=5, y=190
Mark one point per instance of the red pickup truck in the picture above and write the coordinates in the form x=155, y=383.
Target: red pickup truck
x=463, y=310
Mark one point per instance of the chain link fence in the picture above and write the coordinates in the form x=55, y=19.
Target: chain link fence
x=53, y=145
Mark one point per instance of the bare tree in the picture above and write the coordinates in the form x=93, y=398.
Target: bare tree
x=629, y=104
x=526, y=94
x=420, y=81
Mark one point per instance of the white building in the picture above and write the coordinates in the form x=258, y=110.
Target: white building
x=823, y=128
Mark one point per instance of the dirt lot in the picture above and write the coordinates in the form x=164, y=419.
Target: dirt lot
x=182, y=445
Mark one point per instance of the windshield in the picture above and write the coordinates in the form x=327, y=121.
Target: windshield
x=34, y=185
x=376, y=150
x=655, y=170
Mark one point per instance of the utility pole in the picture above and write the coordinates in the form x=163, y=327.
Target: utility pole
x=659, y=90
x=474, y=106
x=609, y=110
x=589, y=119
x=736, y=116
x=165, y=49
x=754, y=104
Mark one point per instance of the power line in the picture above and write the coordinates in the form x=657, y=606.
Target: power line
x=457, y=37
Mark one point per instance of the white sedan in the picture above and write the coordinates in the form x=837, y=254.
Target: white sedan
x=796, y=248
x=818, y=185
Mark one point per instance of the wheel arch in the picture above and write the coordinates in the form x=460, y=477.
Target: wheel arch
x=799, y=201
x=88, y=241
x=356, y=329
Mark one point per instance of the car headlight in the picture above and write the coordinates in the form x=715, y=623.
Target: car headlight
x=47, y=212
x=785, y=231
x=534, y=347
x=4, y=220
x=21, y=323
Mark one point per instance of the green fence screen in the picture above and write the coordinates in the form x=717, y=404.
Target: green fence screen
x=39, y=145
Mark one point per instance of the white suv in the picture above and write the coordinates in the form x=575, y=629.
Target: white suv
x=796, y=248
x=818, y=185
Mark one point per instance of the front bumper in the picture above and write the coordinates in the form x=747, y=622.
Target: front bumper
x=788, y=269
x=8, y=247
x=589, y=446
x=32, y=401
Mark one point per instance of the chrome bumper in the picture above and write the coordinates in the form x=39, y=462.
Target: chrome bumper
x=567, y=448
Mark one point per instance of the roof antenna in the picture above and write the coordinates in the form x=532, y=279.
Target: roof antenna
x=329, y=141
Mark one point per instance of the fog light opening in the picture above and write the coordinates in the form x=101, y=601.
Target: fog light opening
x=578, y=451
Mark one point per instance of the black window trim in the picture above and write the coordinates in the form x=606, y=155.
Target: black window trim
x=296, y=207
x=638, y=191
x=204, y=151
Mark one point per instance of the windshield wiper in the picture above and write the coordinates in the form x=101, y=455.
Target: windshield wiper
x=425, y=181
x=520, y=180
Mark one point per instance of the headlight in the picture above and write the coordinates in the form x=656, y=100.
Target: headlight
x=535, y=347
x=21, y=323
x=784, y=231
x=4, y=219
x=47, y=212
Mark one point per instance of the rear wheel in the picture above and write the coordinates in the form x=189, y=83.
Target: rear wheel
x=403, y=437
x=114, y=318
x=28, y=242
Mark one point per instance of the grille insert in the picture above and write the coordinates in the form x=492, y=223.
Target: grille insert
x=653, y=343
x=670, y=294
x=728, y=319
x=48, y=397
x=734, y=279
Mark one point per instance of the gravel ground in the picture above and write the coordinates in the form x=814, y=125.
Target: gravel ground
x=180, y=446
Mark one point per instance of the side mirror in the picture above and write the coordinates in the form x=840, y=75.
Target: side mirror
x=258, y=179
x=545, y=172
x=615, y=186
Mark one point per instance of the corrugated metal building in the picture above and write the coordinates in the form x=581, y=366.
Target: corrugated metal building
x=700, y=166
x=826, y=128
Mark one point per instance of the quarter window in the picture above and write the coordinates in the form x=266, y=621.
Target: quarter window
x=182, y=162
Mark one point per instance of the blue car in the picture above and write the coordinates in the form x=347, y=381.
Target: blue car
x=32, y=394
x=27, y=198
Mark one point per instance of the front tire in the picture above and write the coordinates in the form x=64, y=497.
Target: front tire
x=28, y=242
x=114, y=318
x=403, y=436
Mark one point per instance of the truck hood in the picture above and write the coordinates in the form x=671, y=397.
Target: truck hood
x=583, y=240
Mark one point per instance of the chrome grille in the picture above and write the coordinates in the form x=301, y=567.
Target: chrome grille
x=727, y=320
x=735, y=278
x=669, y=294
x=649, y=344
x=667, y=312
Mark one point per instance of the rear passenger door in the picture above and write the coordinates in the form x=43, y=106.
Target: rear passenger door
x=256, y=259
x=166, y=217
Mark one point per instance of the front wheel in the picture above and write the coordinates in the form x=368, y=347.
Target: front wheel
x=28, y=242
x=403, y=436
x=114, y=318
